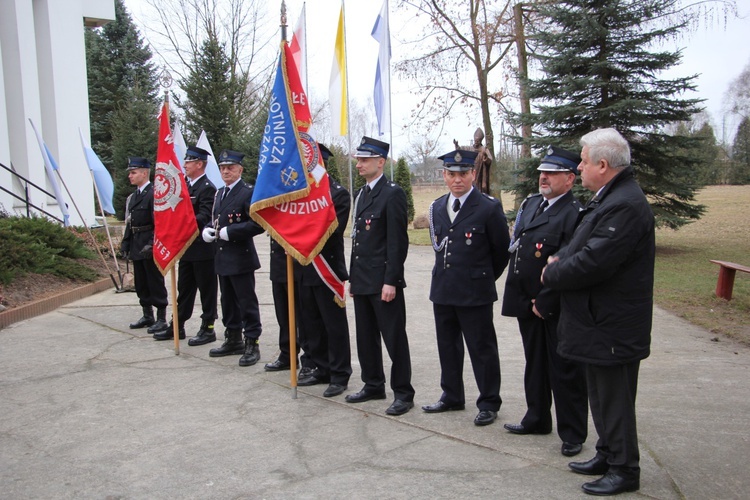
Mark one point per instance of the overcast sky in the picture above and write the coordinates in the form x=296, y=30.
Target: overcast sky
x=716, y=52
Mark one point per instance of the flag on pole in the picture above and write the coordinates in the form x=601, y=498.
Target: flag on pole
x=382, y=92
x=50, y=165
x=212, y=168
x=337, y=85
x=174, y=220
x=292, y=197
x=179, y=145
x=105, y=188
x=299, y=48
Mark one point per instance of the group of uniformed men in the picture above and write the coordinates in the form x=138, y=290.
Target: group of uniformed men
x=472, y=245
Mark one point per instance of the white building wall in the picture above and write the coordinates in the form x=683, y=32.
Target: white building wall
x=44, y=75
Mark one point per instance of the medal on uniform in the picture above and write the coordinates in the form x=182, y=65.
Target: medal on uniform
x=538, y=252
x=468, y=238
x=367, y=224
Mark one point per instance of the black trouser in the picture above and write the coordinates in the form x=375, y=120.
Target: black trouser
x=547, y=374
x=326, y=329
x=453, y=324
x=149, y=284
x=281, y=307
x=612, y=391
x=375, y=318
x=194, y=276
x=239, y=304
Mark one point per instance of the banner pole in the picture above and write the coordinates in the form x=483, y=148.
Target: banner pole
x=175, y=319
x=292, y=325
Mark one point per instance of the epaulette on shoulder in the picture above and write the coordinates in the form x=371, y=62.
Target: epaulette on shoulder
x=488, y=196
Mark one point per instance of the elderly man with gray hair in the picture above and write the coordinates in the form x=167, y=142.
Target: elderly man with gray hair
x=606, y=279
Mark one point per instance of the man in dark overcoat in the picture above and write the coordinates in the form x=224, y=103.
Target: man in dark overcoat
x=196, y=268
x=545, y=223
x=137, y=245
x=380, y=243
x=236, y=261
x=606, y=279
x=324, y=323
x=469, y=234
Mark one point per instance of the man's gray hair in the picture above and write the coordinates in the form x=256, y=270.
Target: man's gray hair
x=607, y=144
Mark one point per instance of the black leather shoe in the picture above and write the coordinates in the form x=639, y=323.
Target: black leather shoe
x=168, y=334
x=314, y=378
x=233, y=344
x=277, y=366
x=205, y=335
x=334, y=390
x=571, y=449
x=399, y=407
x=595, y=467
x=485, y=417
x=364, y=395
x=158, y=327
x=205, y=338
x=305, y=371
x=520, y=429
x=251, y=354
x=143, y=322
x=611, y=484
x=441, y=406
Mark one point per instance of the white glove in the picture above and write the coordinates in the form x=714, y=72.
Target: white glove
x=224, y=234
x=209, y=234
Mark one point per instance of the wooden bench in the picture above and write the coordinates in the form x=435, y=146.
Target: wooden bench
x=727, y=271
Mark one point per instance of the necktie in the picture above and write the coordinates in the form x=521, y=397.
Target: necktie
x=540, y=209
x=226, y=191
x=456, y=205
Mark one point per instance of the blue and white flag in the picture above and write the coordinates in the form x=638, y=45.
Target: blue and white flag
x=282, y=175
x=105, y=188
x=50, y=165
x=382, y=92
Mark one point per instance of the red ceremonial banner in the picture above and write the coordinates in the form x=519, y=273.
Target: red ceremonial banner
x=175, y=227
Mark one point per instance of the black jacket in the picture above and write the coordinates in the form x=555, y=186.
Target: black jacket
x=475, y=252
x=238, y=255
x=536, y=241
x=138, y=239
x=606, y=276
x=380, y=239
x=202, y=195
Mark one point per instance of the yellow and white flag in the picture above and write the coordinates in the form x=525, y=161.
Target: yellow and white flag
x=337, y=87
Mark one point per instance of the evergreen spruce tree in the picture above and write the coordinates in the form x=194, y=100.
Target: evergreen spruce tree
x=135, y=131
x=403, y=179
x=117, y=60
x=212, y=95
x=740, y=172
x=333, y=169
x=600, y=69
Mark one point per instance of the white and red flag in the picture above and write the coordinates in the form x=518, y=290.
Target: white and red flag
x=175, y=227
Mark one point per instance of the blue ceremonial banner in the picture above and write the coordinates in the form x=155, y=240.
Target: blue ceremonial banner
x=382, y=92
x=105, y=188
x=282, y=175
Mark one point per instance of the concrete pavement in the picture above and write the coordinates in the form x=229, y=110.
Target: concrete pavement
x=91, y=409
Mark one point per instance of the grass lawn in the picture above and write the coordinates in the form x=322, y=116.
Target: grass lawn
x=685, y=279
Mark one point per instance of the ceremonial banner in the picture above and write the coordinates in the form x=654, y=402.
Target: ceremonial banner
x=382, y=91
x=175, y=227
x=300, y=220
x=179, y=145
x=212, y=168
x=337, y=86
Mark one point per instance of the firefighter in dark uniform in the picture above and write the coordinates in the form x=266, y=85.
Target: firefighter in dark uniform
x=137, y=245
x=380, y=243
x=470, y=237
x=324, y=324
x=196, y=268
x=545, y=223
x=236, y=261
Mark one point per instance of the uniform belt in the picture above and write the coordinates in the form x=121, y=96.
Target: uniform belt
x=140, y=229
